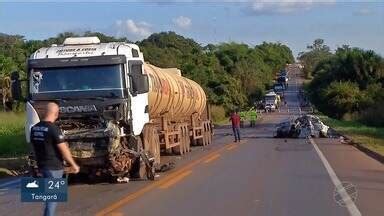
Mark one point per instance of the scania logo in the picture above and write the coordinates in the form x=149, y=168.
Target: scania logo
x=73, y=109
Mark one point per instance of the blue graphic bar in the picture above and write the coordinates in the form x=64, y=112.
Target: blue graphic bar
x=44, y=189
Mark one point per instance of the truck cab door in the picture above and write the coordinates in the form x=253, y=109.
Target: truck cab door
x=139, y=87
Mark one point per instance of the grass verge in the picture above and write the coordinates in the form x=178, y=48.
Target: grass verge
x=12, y=138
x=370, y=137
x=221, y=122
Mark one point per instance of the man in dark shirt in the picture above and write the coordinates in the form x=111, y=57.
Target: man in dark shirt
x=235, y=119
x=50, y=150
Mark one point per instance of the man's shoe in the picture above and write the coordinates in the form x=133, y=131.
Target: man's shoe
x=235, y=140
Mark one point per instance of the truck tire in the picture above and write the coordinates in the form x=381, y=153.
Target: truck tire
x=180, y=149
x=187, y=140
x=209, y=132
x=138, y=168
x=151, y=142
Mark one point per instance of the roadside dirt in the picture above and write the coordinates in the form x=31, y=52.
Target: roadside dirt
x=13, y=166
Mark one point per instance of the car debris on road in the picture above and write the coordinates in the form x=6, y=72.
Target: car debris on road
x=122, y=179
x=302, y=127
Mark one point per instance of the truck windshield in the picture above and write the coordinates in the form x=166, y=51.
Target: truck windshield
x=85, y=78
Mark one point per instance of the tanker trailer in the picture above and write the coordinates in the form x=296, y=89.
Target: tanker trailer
x=117, y=112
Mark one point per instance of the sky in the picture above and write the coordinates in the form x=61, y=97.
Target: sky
x=291, y=22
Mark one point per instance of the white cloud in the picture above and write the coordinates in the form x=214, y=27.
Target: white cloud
x=267, y=7
x=133, y=30
x=182, y=22
x=363, y=12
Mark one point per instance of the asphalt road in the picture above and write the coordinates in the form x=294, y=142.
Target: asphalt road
x=259, y=176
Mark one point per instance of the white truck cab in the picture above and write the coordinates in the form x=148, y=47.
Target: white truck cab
x=58, y=71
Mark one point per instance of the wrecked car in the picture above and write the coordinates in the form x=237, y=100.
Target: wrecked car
x=302, y=127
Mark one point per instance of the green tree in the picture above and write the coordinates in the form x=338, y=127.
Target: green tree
x=315, y=53
x=357, y=78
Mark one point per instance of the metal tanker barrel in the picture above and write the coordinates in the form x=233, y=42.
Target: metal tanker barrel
x=172, y=95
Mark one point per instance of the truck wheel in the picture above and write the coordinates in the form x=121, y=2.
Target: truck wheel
x=151, y=142
x=179, y=150
x=209, y=134
x=138, y=168
x=210, y=138
x=187, y=140
x=200, y=142
x=205, y=138
x=193, y=142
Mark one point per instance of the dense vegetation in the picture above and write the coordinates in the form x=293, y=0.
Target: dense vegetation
x=232, y=74
x=348, y=84
x=12, y=138
x=315, y=53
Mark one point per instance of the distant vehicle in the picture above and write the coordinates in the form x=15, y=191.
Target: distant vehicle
x=271, y=101
x=279, y=89
x=283, y=72
x=300, y=66
x=283, y=80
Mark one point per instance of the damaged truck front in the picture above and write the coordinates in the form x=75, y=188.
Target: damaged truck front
x=117, y=112
x=94, y=85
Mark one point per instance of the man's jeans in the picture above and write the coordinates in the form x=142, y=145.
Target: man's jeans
x=236, y=132
x=51, y=206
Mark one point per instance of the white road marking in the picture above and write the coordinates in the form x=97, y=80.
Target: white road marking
x=16, y=181
x=353, y=210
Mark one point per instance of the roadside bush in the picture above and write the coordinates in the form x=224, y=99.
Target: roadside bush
x=373, y=115
x=218, y=113
x=12, y=138
x=342, y=98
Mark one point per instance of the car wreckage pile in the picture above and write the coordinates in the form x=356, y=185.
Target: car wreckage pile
x=303, y=127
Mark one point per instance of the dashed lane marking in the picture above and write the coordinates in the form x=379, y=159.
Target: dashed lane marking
x=231, y=147
x=125, y=200
x=212, y=158
x=175, y=180
x=115, y=214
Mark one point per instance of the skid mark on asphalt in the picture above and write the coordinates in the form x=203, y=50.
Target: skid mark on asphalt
x=175, y=180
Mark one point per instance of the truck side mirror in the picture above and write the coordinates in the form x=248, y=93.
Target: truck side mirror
x=140, y=83
x=16, y=86
x=144, y=84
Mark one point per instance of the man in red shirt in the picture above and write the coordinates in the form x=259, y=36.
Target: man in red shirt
x=235, y=119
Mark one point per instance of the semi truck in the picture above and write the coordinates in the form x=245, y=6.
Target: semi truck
x=118, y=113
